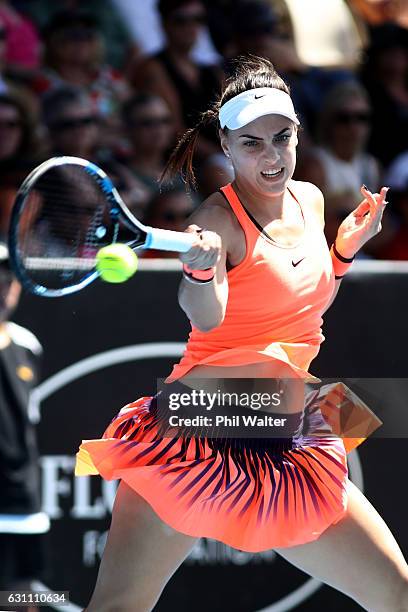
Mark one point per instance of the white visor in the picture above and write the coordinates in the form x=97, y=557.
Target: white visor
x=249, y=105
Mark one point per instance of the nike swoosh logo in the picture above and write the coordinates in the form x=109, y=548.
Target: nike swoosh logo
x=297, y=263
x=257, y=97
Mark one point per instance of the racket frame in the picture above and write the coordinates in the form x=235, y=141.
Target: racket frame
x=145, y=236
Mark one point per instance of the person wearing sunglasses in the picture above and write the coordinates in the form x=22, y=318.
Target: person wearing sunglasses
x=339, y=165
x=172, y=74
x=71, y=122
x=150, y=132
x=73, y=127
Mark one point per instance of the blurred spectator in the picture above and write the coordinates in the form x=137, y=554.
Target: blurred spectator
x=19, y=150
x=74, y=55
x=143, y=21
x=385, y=75
x=168, y=210
x=72, y=123
x=11, y=80
x=73, y=129
x=377, y=12
x=23, y=48
x=397, y=179
x=338, y=44
x=257, y=30
x=187, y=87
x=4, y=86
x=220, y=26
x=340, y=165
x=22, y=524
x=214, y=172
x=397, y=174
x=18, y=137
x=114, y=29
x=150, y=130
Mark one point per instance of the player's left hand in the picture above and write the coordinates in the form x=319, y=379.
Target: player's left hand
x=362, y=223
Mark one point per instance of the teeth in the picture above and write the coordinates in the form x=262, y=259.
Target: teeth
x=271, y=172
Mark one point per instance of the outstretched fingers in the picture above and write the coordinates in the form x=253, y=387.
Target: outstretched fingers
x=376, y=202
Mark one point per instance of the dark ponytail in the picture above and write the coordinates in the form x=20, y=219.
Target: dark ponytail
x=181, y=158
x=248, y=72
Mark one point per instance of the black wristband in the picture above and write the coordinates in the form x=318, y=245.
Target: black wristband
x=343, y=259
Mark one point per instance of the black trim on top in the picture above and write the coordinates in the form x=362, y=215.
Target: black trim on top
x=254, y=221
x=259, y=226
x=229, y=266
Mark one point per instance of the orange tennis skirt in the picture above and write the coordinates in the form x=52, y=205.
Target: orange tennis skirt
x=251, y=494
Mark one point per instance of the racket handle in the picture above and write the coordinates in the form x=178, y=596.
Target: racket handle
x=167, y=240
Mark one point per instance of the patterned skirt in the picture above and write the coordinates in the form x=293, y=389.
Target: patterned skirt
x=253, y=494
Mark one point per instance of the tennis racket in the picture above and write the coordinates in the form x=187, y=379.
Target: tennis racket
x=65, y=211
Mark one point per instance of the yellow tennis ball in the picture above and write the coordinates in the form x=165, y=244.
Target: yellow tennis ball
x=116, y=263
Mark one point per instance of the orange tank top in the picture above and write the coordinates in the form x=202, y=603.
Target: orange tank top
x=276, y=297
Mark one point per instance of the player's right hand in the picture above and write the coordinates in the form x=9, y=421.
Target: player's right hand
x=205, y=252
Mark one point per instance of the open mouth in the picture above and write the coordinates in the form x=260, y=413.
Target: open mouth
x=272, y=174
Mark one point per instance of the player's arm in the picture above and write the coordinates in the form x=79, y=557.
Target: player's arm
x=205, y=304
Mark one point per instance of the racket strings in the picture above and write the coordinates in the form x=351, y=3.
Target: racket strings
x=63, y=223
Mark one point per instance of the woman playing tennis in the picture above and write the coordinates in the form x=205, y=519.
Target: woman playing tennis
x=254, y=287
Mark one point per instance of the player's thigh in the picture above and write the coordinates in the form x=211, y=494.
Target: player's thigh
x=140, y=555
x=358, y=556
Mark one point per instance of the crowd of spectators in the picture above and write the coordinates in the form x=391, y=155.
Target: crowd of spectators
x=76, y=79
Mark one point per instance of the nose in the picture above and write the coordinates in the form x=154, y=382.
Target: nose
x=271, y=153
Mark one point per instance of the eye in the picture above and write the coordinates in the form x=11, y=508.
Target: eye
x=251, y=143
x=283, y=138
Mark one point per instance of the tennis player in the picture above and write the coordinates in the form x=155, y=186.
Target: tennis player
x=254, y=287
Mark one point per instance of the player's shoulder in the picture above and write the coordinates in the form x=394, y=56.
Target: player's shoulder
x=310, y=195
x=215, y=212
x=24, y=337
